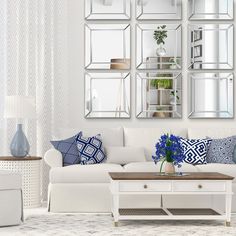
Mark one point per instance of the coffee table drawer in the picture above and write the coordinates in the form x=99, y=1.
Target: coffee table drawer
x=146, y=186
x=199, y=186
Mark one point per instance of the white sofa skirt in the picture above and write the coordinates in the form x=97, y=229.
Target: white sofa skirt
x=96, y=198
x=11, y=208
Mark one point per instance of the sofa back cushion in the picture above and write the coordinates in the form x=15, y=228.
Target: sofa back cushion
x=214, y=133
x=148, y=137
x=125, y=155
x=110, y=136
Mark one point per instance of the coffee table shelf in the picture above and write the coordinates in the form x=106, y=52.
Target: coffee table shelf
x=149, y=183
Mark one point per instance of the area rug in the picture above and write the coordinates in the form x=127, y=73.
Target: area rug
x=44, y=223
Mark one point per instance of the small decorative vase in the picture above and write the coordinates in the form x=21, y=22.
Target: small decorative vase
x=19, y=146
x=169, y=168
x=161, y=52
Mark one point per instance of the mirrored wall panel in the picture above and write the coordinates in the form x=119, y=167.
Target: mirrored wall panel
x=107, y=46
x=158, y=46
x=107, y=9
x=158, y=9
x=107, y=95
x=210, y=9
x=210, y=46
x=211, y=95
x=158, y=95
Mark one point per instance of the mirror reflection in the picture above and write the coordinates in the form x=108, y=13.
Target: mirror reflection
x=107, y=9
x=107, y=46
x=107, y=95
x=211, y=95
x=210, y=9
x=158, y=95
x=158, y=46
x=210, y=46
x=158, y=9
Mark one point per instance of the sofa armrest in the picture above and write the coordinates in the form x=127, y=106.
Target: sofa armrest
x=53, y=158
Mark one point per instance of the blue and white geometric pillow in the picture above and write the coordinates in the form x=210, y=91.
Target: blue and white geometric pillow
x=195, y=150
x=222, y=150
x=90, y=149
x=68, y=149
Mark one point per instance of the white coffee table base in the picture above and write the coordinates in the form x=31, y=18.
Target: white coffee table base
x=176, y=187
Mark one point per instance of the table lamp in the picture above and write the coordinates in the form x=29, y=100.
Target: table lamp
x=19, y=107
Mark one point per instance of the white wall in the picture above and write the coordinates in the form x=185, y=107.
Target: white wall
x=76, y=79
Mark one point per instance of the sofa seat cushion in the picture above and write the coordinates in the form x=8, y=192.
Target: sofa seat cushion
x=227, y=169
x=9, y=180
x=150, y=166
x=97, y=173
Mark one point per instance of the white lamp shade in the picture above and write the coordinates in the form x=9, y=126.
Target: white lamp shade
x=19, y=107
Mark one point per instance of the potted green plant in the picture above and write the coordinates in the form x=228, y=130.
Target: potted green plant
x=159, y=36
x=162, y=82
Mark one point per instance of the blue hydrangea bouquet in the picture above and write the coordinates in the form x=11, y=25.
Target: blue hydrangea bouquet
x=169, y=150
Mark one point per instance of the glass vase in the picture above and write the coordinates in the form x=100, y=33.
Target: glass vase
x=169, y=168
x=161, y=52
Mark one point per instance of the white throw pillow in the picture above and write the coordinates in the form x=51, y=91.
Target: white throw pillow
x=124, y=155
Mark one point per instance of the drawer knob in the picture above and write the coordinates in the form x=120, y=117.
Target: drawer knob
x=145, y=186
x=199, y=186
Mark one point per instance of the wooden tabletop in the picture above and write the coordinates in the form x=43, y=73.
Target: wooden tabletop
x=11, y=158
x=157, y=176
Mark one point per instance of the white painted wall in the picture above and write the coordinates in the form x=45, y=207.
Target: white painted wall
x=76, y=79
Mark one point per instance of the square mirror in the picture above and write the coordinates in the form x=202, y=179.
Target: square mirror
x=210, y=46
x=107, y=46
x=158, y=9
x=158, y=95
x=107, y=95
x=107, y=9
x=210, y=9
x=158, y=46
x=211, y=95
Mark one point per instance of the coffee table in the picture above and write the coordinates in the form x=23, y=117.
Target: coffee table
x=201, y=183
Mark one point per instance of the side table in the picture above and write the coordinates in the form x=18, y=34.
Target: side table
x=29, y=167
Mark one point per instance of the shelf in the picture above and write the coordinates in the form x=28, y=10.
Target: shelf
x=194, y=211
x=135, y=212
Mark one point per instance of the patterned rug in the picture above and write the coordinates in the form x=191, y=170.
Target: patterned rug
x=43, y=223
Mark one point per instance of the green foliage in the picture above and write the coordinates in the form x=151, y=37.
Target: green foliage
x=162, y=83
x=160, y=35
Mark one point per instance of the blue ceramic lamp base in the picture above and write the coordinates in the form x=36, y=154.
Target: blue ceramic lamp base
x=19, y=146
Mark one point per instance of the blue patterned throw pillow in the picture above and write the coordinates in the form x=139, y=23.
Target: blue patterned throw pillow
x=195, y=150
x=68, y=149
x=90, y=149
x=222, y=150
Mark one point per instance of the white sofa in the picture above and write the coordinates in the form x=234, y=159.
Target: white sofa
x=85, y=188
x=11, y=202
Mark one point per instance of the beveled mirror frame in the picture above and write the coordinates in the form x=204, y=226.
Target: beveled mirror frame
x=114, y=63
x=192, y=15
x=141, y=15
x=91, y=15
x=198, y=65
x=122, y=108
x=218, y=114
x=144, y=90
x=141, y=64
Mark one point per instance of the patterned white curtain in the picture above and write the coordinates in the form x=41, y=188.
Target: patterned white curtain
x=33, y=61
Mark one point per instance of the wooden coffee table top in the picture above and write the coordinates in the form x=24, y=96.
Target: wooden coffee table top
x=156, y=176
